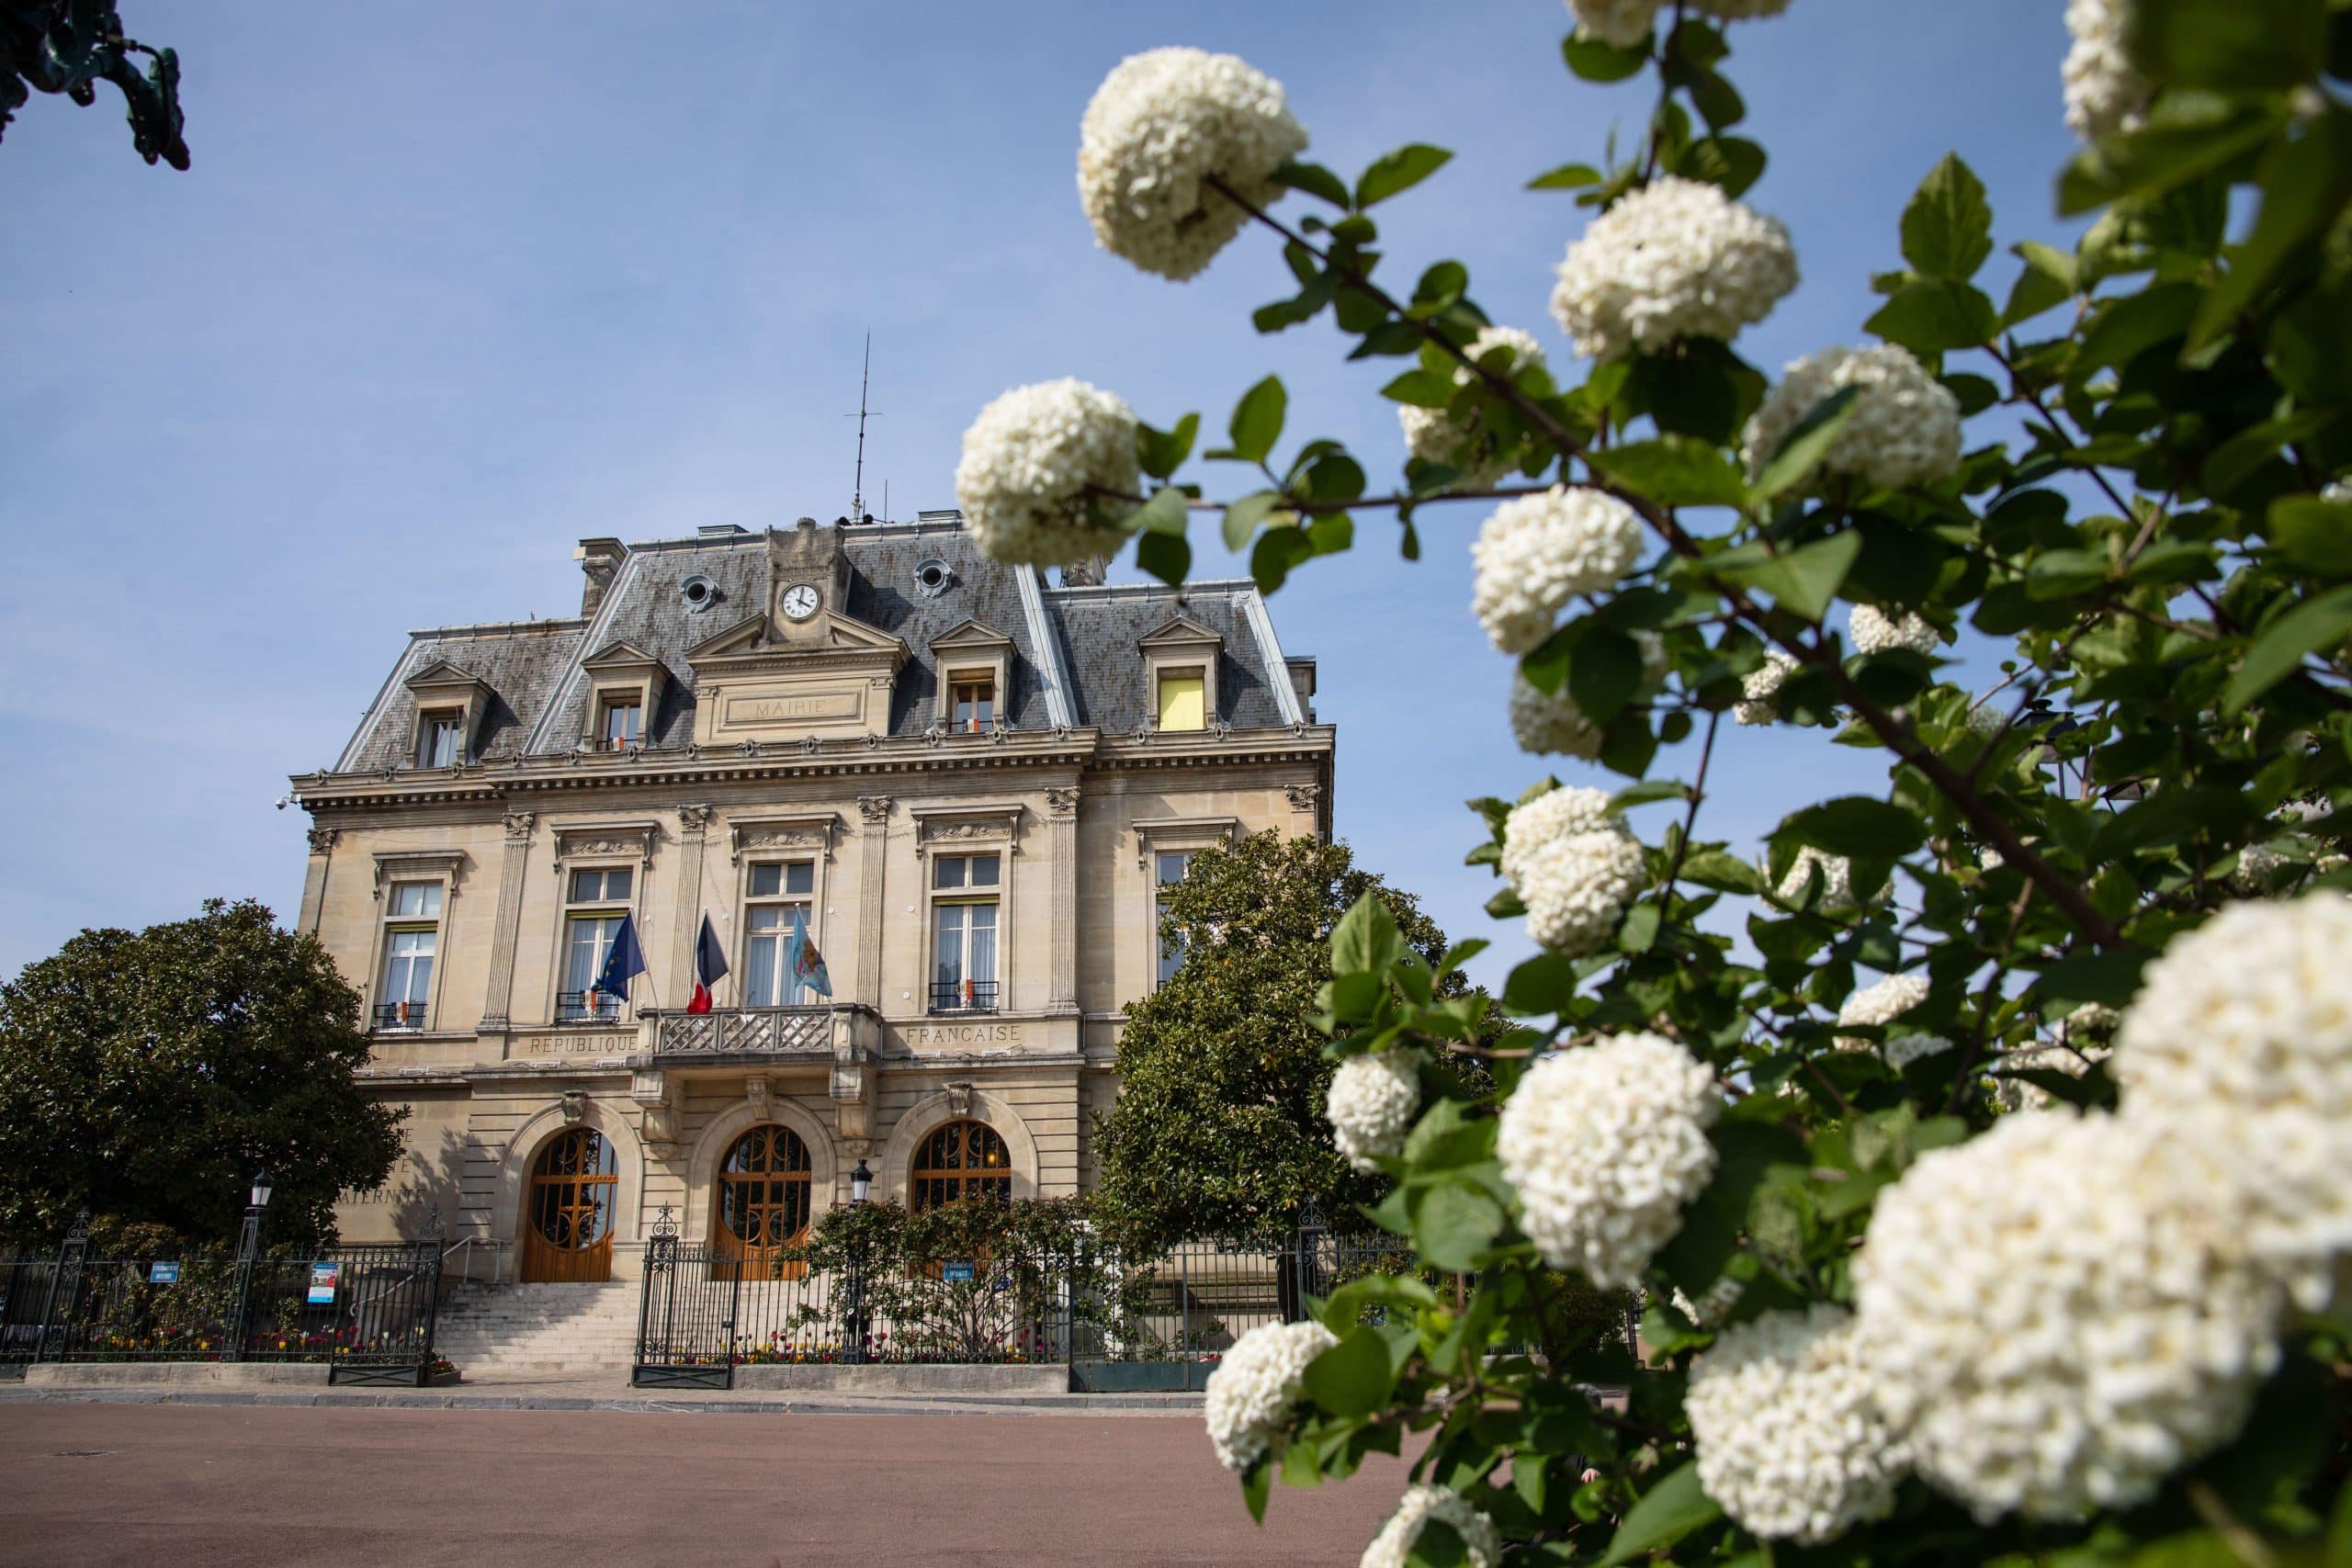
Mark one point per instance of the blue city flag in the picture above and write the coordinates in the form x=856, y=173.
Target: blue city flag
x=807, y=963
x=625, y=960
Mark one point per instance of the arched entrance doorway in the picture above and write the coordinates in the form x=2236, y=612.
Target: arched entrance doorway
x=958, y=1160
x=763, y=1197
x=568, y=1218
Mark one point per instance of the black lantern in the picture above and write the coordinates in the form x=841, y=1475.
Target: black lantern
x=260, y=1196
x=861, y=1184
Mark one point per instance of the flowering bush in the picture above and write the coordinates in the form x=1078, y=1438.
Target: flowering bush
x=2057, y=1271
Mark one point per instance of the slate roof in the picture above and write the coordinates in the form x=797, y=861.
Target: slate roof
x=1076, y=645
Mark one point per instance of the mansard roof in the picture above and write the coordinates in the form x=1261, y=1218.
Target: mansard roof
x=1074, y=657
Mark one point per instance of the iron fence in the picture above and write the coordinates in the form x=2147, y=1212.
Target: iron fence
x=369, y=1311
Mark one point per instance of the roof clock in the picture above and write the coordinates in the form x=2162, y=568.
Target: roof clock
x=799, y=602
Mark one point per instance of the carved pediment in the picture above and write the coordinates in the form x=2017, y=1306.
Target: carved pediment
x=621, y=656
x=972, y=637
x=831, y=681
x=443, y=676
x=1179, y=631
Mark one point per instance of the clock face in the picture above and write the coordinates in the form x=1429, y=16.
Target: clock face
x=799, y=603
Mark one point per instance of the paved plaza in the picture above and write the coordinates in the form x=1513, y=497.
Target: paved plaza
x=119, y=1483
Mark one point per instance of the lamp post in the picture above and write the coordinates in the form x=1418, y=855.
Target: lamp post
x=861, y=1189
x=248, y=1249
x=861, y=1184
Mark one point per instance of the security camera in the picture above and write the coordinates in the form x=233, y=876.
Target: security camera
x=286, y=800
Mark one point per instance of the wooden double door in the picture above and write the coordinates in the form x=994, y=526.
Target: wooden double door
x=568, y=1217
x=762, y=1199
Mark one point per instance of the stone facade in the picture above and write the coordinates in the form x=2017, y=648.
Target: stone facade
x=728, y=708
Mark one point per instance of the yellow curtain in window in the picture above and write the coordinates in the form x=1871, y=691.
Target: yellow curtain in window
x=1181, y=703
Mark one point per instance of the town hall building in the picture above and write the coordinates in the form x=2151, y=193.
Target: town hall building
x=927, y=804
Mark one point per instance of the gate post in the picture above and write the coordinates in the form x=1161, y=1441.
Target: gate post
x=70, y=1254
x=428, y=1264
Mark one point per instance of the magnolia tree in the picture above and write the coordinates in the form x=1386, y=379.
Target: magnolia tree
x=1989, y=1199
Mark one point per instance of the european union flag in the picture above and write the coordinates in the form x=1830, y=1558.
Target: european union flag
x=625, y=960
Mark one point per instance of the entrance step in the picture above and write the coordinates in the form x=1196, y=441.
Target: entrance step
x=538, y=1327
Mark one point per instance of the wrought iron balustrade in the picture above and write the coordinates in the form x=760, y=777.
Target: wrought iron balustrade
x=394, y=1016
x=963, y=996
x=587, y=1007
x=728, y=1031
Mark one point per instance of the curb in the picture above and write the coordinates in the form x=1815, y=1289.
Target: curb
x=1013, y=1405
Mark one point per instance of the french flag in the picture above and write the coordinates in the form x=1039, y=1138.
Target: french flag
x=710, y=962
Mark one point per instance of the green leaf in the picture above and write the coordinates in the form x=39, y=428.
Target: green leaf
x=1858, y=827
x=1567, y=176
x=1674, y=470
x=1161, y=453
x=1808, y=442
x=2046, y=280
x=1803, y=580
x=1163, y=514
x=1401, y=170
x=2311, y=627
x=1723, y=871
x=1440, y=285
x=1352, y=1378
x=2111, y=979
x=1315, y=180
x=1257, y=1484
x=1241, y=518
x=2182, y=142
x=1667, y=1512
x=1594, y=61
x=2129, y=326
x=1935, y=315
x=1366, y=941
x=1422, y=389
x=1603, y=673
x=1168, y=556
x=2230, y=46
x=2305, y=181
x=1277, y=551
x=1544, y=984
x=1453, y=1225
x=2315, y=535
x=1948, y=228
x=1258, y=420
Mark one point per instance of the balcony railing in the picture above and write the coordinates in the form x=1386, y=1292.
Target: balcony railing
x=587, y=1007
x=963, y=996
x=743, y=1031
x=394, y=1016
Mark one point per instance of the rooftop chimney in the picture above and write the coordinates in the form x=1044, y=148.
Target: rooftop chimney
x=1301, y=682
x=599, y=558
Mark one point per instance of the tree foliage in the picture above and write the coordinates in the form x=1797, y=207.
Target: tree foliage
x=145, y=1075
x=2151, y=516
x=1219, y=1122
x=68, y=46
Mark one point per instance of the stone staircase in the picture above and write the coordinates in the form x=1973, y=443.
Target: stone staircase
x=538, y=1327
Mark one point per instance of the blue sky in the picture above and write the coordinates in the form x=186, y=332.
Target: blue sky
x=451, y=287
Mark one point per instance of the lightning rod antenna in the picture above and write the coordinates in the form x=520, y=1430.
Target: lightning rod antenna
x=858, y=487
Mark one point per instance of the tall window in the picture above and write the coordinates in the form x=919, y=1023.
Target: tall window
x=962, y=1159
x=595, y=899
x=440, y=739
x=1182, y=700
x=624, y=723
x=1169, y=866
x=776, y=898
x=972, y=696
x=963, y=934
x=412, y=934
x=764, y=1189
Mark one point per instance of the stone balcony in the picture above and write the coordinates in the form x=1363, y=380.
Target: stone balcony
x=842, y=1038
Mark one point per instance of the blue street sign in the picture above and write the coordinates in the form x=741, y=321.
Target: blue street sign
x=957, y=1273
x=163, y=1273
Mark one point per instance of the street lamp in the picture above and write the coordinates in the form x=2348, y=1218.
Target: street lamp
x=861, y=1184
x=256, y=1205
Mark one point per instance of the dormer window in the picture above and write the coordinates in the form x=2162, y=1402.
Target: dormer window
x=623, y=723
x=441, y=738
x=1182, y=699
x=972, y=699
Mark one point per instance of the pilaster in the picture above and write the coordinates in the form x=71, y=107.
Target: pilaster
x=508, y=920
x=1061, y=829
x=314, y=878
x=694, y=825
x=874, y=811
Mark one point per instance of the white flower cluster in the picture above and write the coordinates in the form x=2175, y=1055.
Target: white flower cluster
x=2339, y=491
x=1760, y=687
x=1790, y=1442
x=1437, y=436
x=2104, y=93
x=1249, y=1395
x=1836, y=878
x=2057, y=1056
x=1482, y=1546
x=2242, y=1036
x=1621, y=24
x=1028, y=462
x=1874, y=631
x=1161, y=126
x=1675, y=259
x=1540, y=551
x=1574, y=865
x=1372, y=1102
x=1605, y=1144
x=1904, y=429
x=2061, y=1315
x=1885, y=1001
x=1549, y=725
x=1904, y=1049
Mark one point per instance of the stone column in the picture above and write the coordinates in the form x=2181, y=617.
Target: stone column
x=876, y=811
x=508, y=920
x=694, y=825
x=1061, y=827
x=314, y=878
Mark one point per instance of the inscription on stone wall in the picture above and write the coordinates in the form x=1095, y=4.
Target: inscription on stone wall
x=837, y=703
x=919, y=1036
x=572, y=1045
